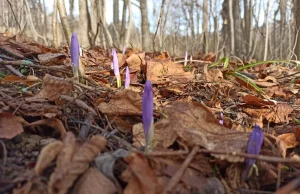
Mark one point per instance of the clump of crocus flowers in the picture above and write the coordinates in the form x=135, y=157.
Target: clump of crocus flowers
x=116, y=67
x=147, y=116
x=75, y=53
x=254, y=145
x=127, y=78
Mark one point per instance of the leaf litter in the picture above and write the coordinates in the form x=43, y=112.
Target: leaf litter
x=62, y=135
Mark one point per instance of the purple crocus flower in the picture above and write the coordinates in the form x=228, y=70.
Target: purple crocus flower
x=221, y=121
x=74, y=49
x=254, y=145
x=147, y=114
x=127, y=78
x=116, y=67
x=185, y=58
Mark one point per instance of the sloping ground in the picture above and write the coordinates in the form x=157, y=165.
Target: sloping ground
x=59, y=135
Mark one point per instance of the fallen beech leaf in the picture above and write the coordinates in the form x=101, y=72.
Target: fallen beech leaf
x=52, y=122
x=289, y=139
x=135, y=61
x=159, y=71
x=278, y=113
x=124, y=102
x=255, y=101
x=94, y=182
x=266, y=82
x=140, y=176
x=53, y=87
x=10, y=125
x=106, y=162
x=72, y=161
x=47, y=155
x=29, y=80
x=196, y=125
x=51, y=58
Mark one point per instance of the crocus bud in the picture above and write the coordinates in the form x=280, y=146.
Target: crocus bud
x=74, y=48
x=185, y=58
x=116, y=67
x=254, y=145
x=127, y=78
x=147, y=115
x=221, y=121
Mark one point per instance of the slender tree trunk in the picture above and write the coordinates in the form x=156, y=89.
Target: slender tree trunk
x=71, y=10
x=123, y=25
x=205, y=27
x=297, y=30
x=231, y=28
x=128, y=31
x=267, y=31
x=145, y=26
x=283, y=5
x=55, y=25
x=64, y=20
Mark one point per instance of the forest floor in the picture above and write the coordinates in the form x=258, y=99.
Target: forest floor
x=58, y=135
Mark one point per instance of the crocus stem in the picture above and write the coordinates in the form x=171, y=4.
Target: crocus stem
x=118, y=81
x=150, y=139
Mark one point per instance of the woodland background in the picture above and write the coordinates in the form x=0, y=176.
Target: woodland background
x=248, y=29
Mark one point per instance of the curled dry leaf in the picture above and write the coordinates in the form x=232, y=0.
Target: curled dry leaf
x=289, y=139
x=29, y=80
x=278, y=113
x=10, y=125
x=124, y=102
x=94, y=182
x=158, y=71
x=52, y=122
x=72, y=161
x=255, y=101
x=135, y=61
x=140, y=176
x=47, y=155
x=53, y=87
x=193, y=123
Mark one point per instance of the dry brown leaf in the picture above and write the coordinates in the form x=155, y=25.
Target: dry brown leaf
x=135, y=61
x=29, y=80
x=196, y=125
x=255, y=101
x=159, y=71
x=52, y=122
x=72, y=161
x=277, y=114
x=266, y=82
x=47, y=155
x=51, y=58
x=53, y=87
x=140, y=176
x=10, y=125
x=94, y=182
x=124, y=102
x=289, y=139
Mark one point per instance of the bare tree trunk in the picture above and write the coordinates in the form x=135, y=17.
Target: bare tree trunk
x=267, y=31
x=128, y=31
x=55, y=25
x=145, y=26
x=35, y=33
x=231, y=28
x=123, y=25
x=116, y=18
x=297, y=33
x=83, y=33
x=64, y=20
x=283, y=5
x=205, y=27
x=71, y=9
x=226, y=27
x=248, y=11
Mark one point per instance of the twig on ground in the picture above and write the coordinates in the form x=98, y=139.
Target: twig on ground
x=176, y=178
x=85, y=129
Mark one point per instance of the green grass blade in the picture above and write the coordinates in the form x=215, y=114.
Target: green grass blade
x=248, y=81
x=259, y=63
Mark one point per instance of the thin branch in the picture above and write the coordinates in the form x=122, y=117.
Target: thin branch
x=12, y=10
x=158, y=22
